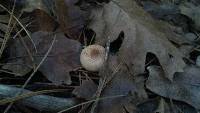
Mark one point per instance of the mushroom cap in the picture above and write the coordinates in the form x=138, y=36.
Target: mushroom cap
x=92, y=57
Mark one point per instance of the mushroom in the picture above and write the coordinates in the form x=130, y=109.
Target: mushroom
x=92, y=57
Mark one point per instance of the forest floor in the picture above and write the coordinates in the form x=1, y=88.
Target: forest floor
x=149, y=60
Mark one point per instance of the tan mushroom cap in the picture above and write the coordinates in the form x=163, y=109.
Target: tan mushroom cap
x=92, y=57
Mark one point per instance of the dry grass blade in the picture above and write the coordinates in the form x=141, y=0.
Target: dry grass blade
x=21, y=30
x=5, y=71
x=13, y=16
x=8, y=31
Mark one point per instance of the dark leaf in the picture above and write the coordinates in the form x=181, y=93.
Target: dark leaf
x=141, y=35
x=86, y=90
x=154, y=106
x=122, y=84
x=63, y=57
x=70, y=18
x=42, y=21
x=192, y=12
x=185, y=86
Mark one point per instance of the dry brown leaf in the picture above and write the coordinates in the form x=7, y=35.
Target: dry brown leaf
x=142, y=35
x=42, y=21
x=63, y=57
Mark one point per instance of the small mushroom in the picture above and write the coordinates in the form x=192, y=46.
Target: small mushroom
x=92, y=57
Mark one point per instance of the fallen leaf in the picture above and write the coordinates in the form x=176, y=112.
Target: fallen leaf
x=148, y=106
x=186, y=50
x=3, y=27
x=86, y=90
x=30, y=5
x=121, y=84
x=118, y=82
x=164, y=11
x=42, y=21
x=168, y=11
x=192, y=12
x=142, y=35
x=19, y=67
x=163, y=107
x=63, y=58
x=70, y=18
x=4, y=18
x=185, y=86
x=154, y=105
x=19, y=60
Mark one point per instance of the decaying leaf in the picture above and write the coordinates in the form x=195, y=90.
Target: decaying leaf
x=4, y=18
x=163, y=107
x=192, y=12
x=3, y=27
x=63, y=57
x=18, y=67
x=185, y=86
x=19, y=61
x=118, y=81
x=148, y=106
x=142, y=35
x=86, y=90
x=42, y=21
x=162, y=11
x=157, y=105
x=70, y=17
x=31, y=5
x=121, y=84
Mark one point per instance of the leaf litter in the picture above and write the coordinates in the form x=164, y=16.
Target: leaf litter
x=63, y=58
x=125, y=71
x=185, y=86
